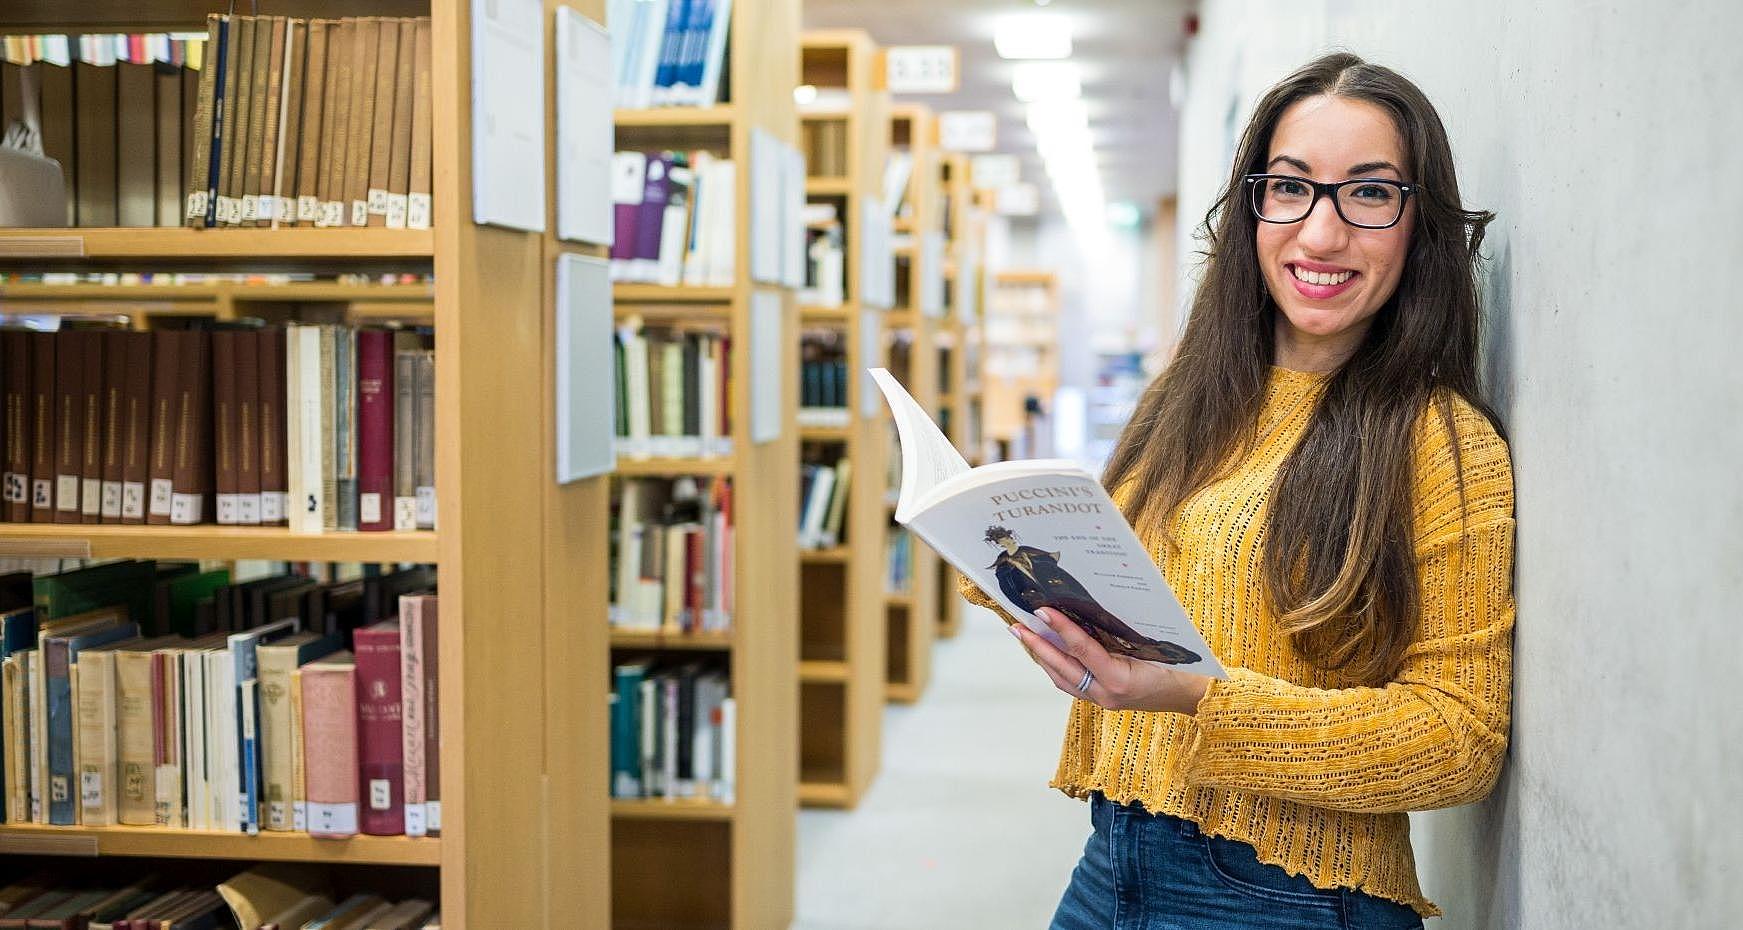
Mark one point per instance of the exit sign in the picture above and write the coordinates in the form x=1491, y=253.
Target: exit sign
x=920, y=69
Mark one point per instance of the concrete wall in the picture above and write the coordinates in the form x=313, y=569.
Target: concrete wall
x=1608, y=138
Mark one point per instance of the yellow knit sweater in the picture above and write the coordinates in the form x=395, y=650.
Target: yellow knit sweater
x=1311, y=769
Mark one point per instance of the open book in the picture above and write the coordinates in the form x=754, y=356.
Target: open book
x=1040, y=533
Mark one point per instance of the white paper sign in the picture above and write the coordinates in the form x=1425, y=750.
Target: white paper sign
x=584, y=130
x=967, y=130
x=768, y=208
x=995, y=170
x=586, y=382
x=508, y=114
x=920, y=69
x=793, y=254
x=767, y=366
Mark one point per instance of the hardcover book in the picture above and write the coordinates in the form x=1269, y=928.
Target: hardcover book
x=1040, y=533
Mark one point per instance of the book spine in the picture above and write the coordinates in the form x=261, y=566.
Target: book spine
x=379, y=720
x=314, y=82
x=224, y=422
x=136, y=779
x=192, y=454
x=405, y=437
x=418, y=200
x=330, y=749
x=199, y=160
x=272, y=430
x=136, y=426
x=272, y=112
x=69, y=400
x=95, y=735
x=428, y=607
x=382, y=123
x=413, y=648
x=375, y=423
x=15, y=347
x=344, y=382
x=248, y=728
x=60, y=802
x=365, y=52
x=284, y=165
x=276, y=664
x=166, y=346
x=426, y=451
x=399, y=159
x=91, y=435
x=332, y=441
x=298, y=788
x=336, y=117
x=248, y=446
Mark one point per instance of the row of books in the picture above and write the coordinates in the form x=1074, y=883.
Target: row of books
x=825, y=144
x=233, y=425
x=672, y=555
x=823, y=490
x=121, y=132
x=180, y=278
x=673, y=732
x=322, y=122
x=268, y=897
x=825, y=257
x=673, y=218
x=669, y=52
x=103, y=49
x=898, y=560
x=672, y=397
x=823, y=382
x=265, y=723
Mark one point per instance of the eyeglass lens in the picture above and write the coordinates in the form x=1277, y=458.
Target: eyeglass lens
x=1286, y=200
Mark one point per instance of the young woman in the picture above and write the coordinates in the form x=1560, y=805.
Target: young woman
x=1326, y=491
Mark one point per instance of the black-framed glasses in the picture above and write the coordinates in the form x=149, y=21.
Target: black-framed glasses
x=1368, y=203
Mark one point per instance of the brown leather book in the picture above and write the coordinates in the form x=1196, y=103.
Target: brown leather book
x=115, y=362
x=224, y=422
x=260, y=73
x=418, y=203
x=69, y=422
x=168, y=136
x=314, y=83
x=284, y=169
x=199, y=147
x=94, y=99
x=247, y=358
x=166, y=354
x=58, y=117
x=267, y=166
x=336, y=132
x=136, y=427
x=192, y=473
x=44, y=417
x=136, y=136
x=15, y=356
x=399, y=164
x=238, y=48
x=381, y=128
x=91, y=453
x=365, y=50
x=274, y=478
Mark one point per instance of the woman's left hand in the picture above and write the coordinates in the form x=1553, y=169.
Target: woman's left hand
x=1119, y=682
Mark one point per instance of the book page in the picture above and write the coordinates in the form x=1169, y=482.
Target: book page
x=1055, y=539
x=928, y=458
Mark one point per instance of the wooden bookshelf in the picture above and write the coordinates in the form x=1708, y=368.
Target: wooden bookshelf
x=699, y=864
x=521, y=559
x=841, y=623
x=958, y=344
x=1021, y=327
x=360, y=303
x=911, y=617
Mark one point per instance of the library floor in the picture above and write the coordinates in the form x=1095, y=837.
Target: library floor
x=960, y=829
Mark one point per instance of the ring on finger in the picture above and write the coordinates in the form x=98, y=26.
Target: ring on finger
x=1088, y=679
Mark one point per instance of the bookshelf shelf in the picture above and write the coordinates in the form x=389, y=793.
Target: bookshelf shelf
x=656, y=293
x=679, y=810
x=824, y=671
x=825, y=793
x=724, y=115
x=836, y=555
x=184, y=244
x=829, y=187
x=826, y=433
x=640, y=639
x=661, y=468
x=64, y=540
x=264, y=293
x=159, y=842
x=901, y=599
x=711, y=315
x=816, y=314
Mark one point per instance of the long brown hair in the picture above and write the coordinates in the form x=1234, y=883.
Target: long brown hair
x=1339, y=561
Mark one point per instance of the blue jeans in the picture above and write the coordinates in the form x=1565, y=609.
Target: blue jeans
x=1143, y=871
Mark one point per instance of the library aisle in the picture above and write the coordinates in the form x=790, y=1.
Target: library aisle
x=963, y=787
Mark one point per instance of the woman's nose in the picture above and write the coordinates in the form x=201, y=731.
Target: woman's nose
x=1322, y=231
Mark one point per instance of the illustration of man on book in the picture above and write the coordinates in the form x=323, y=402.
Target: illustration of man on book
x=1032, y=578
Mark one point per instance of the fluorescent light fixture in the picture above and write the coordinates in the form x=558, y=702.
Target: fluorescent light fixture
x=1046, y=80
x=1053, y=117
x=1033, y=35
x=805, y=94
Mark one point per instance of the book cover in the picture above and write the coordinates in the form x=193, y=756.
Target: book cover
x=330, y=745
x=313, y=122
x=379, y=728
x=69, y=432
x=245, y=348
x=381, y=136
x=166, y=351
x=1040, y=533
x=419, y=687
x=44, y=421
x=273, y=429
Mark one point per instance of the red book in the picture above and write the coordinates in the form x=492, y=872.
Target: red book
x=375, y=398
x=381, y=751
x=330, y=744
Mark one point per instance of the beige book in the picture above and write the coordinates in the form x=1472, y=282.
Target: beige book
x=269, y=888
x=171, y=810
x=277, y=664
x=381, y=126
x=259, y=73
x=136, y=755
x=365, y=51
x=233, y=147
x=266, y=167
x=399, y=163
x=310, y=908
x=201, y=148
x=336, y=136
x=17, y=808
x=358, y=917
x=94, y=751
x=284, y=168
x=314, y=83
x=419, y=201
x=299, y=771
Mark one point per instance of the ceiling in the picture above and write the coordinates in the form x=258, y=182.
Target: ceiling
x=1125, y=50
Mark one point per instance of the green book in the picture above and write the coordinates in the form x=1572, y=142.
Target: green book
x=178, y=598
x=126, y=583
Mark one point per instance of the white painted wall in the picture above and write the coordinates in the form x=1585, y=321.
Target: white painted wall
x=1609, y=138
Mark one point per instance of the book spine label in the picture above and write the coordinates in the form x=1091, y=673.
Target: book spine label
x=328, y=819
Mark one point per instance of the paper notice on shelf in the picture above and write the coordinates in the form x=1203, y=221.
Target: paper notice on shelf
x=768, y=212
x=584, y=129
x=793, y=250
x=508, y=114
x=585, y=372
x=767, y=365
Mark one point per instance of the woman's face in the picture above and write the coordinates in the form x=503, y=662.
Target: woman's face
x=1331, y=139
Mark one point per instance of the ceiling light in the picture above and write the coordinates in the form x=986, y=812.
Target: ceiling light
x=1033, y=35
x=1064, y=115
x=1045, y=80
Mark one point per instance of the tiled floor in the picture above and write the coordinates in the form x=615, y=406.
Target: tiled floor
x=960, y=831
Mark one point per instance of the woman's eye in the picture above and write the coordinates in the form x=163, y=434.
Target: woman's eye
x=1289, y=188
x=1373, y=193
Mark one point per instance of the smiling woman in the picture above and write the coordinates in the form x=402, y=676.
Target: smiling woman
x=1324, y=488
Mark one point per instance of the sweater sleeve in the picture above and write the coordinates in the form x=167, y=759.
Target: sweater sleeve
x=974, y=595
x=1433, y=737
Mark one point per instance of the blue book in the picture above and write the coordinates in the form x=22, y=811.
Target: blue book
x=713, y=54
x=246, y=663
x=626, y=726
x=695, y=48
x=671, y=48
x=59, y=653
